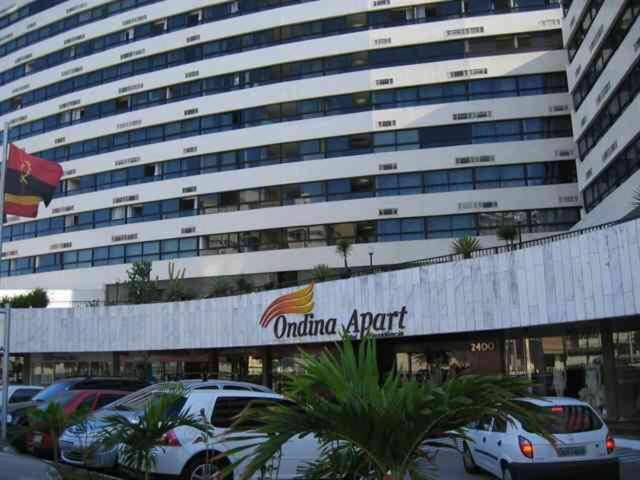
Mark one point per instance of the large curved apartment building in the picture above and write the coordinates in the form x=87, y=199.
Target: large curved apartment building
x=246, y=137
x=603, y=42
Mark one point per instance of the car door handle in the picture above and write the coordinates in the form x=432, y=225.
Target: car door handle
x=484, y=439
x=499, y=443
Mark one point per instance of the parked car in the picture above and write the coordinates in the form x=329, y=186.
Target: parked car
x=41, y=443
x=510, y=451
x=21, y=393
x=25, y=468
x=18, y=411
x=185, y=455
x=79, y=446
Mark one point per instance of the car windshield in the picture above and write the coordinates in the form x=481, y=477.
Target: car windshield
x=561, y=419
x=50, y=392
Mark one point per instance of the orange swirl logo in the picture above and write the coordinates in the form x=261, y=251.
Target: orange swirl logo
x=299, y=302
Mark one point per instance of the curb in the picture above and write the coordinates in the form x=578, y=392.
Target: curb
x=628, y=443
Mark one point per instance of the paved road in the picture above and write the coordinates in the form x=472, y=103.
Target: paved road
x=450, y=466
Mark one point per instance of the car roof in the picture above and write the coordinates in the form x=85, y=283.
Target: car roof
x=196, y=384
x=554, y=401
x=193, y=385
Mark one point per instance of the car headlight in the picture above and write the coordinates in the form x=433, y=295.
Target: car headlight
x=53, y=474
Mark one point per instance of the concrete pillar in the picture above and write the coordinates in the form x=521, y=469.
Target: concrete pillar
x=609, y=373
x=267, y=367
x=26, y=365
x=116, y=364
x=386, y=356
x=213, y=365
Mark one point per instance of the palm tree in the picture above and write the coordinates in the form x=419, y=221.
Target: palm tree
x=373, y=428
x=465, y=246
x=221, y=287
x=139, y=439
x=322, y=272
x=344, y=248
x=53, y=420
x=508, y=233
x=243, y=285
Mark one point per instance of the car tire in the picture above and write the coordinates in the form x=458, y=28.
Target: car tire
x=199, y=469
x=467, y=460
x=506, y=473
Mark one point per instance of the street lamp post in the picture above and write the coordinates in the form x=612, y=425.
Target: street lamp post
x=520, y=233
x=371, y=257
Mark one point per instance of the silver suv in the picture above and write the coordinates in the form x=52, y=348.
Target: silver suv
x=79, y=444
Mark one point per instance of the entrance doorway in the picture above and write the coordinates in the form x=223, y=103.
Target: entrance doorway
x=437, y=360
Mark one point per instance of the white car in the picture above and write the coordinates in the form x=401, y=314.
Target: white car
x=509, y=451
x=185, y=452
x=21, y=393
x=78, y=446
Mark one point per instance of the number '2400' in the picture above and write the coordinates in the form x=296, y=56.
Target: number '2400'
x=482, y=347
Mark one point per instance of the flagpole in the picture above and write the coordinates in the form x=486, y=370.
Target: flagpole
x=7, y=310
x=3, y=174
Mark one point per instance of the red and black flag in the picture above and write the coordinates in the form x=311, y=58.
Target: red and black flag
x=29, y=181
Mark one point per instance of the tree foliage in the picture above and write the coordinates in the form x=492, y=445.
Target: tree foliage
x=37, y=298
x=465, y=246
x=140, y=439
x=140, y=287
x=322, y=272
x=221, y=287
x=344, y=248
x=176, y=288
x=368, y=425
x=508, y=233
x=53, y=420
x=243, y=285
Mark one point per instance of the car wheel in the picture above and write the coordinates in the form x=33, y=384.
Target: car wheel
x=506, y=473
x=468, y=461
x=201, y=468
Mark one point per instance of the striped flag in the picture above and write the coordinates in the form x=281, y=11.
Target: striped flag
x=29, y=181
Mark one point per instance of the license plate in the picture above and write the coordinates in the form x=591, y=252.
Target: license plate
x=37, y=439
x=572, y=451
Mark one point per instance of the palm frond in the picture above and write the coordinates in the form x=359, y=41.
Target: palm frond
x=341, y=400
x=465, y=246
x=139, y=440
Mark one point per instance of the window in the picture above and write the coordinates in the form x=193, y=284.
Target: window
x=106, y=399
x=484, y=424
x=23, y=395
x=227, y=409
x=499, y=425
x=608, y=46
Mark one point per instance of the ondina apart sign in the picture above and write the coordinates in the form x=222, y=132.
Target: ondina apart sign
x=555, y=283
x=292, y=316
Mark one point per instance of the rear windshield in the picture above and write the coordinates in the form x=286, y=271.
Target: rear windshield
x=569, y=419
x=51, y=392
